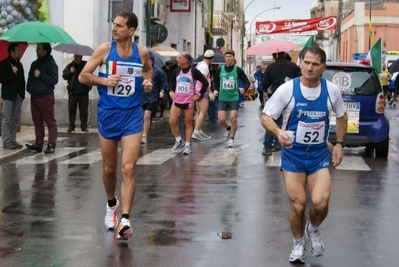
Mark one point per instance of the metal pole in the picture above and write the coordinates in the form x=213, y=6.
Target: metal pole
x=250, y=26
x=369, y=26
x=242, y=34
x=211, y=27
x=148, y=23
x=110, y=18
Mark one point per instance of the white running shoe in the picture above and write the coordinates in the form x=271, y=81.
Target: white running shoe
x=125, y=230
x=227, y=135
x=316, y=245
x=298, y=252
x=230, y=143
x=178, y=146
x=187, y=151
x=144, y=139
x=111, y=220
x=197, y=136
x=205, y=136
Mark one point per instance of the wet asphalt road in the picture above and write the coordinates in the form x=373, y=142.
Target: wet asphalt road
x=52, y=207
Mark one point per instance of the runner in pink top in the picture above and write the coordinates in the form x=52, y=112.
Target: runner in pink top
x=182, y=91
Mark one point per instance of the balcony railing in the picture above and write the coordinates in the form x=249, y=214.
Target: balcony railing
x=221, y=22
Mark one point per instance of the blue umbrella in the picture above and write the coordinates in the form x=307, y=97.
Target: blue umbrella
x=158, y=59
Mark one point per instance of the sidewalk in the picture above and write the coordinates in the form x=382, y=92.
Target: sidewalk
x=27, y=136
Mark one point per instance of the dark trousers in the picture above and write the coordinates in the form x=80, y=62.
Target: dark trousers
x=260, y=95
x=42, y=109
x=269, y=140
x=83, y=101
x=213, y=110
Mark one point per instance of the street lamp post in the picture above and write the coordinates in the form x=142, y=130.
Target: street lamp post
x=250, y=26
x=243, y=32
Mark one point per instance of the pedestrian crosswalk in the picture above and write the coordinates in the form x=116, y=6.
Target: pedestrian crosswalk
x=214, y=157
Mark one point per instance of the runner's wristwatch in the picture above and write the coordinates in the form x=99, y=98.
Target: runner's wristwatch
x=340, y=143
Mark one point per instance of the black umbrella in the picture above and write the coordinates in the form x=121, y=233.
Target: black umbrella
x=217, y=59
x=158, y=59
x=394, y=67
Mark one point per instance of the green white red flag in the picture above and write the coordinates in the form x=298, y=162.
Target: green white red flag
x=374, y=57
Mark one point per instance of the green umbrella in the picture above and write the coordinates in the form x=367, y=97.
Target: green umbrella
x=37, y=32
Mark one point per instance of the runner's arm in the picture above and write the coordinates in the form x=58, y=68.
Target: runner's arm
x=97, y=59
x=243, y=77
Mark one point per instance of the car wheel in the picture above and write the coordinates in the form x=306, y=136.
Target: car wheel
x=381, y=149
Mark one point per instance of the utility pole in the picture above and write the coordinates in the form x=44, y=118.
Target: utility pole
x=338, y=33
x=148, y=23
x=242, y=34
x=370, y=33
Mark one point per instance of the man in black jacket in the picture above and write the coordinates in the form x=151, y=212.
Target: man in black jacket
x=12, y=94
x=43, y=76
x=78, y=93
x=277, y=73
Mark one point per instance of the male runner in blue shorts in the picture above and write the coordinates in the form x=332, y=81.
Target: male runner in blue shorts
x=306, y=103
x=124, y=71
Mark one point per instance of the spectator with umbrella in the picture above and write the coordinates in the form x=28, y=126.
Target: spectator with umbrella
x=12, y=94
x=43, y=76
x=78, y=93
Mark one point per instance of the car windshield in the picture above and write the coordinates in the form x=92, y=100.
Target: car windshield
x=352, y=80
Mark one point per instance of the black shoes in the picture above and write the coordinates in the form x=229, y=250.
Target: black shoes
x=84, y=129
x=9, y=146
x=50, y=149
x=70, y=129
x=12, y=145
x=34, y=148
x=17, y=145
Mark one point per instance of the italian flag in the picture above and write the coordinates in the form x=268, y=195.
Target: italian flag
x=110, y=67
x=309, y=43
x=374, y=57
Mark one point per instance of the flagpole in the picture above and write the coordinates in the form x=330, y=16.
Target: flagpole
x=369, y=23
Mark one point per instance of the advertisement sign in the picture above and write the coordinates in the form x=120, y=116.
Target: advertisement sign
x=296, y=39
x=296, y=26
x=180, y=5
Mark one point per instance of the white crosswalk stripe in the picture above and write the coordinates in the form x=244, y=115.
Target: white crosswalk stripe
x=156, y=157
x=41, y=158
x=87, y=158
x=220, y=156
x=216, y=157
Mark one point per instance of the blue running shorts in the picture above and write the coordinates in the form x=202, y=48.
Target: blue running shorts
x=115, y=123
x=305, y=159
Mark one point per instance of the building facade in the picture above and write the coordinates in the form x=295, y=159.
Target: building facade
x=353, y=31
x=188, y=25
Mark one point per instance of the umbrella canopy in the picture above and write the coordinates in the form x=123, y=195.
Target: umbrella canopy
x=165, y=51
x=37, y=32
x=158, y=59
x=76, y=49
x=217, y=59
x=270, y=47
x=394, y=67
x=4, y=49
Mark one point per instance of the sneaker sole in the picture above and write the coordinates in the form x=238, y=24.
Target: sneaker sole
x=310, y=245
x=297, y=260
x=177, y=150
x=126, y=234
